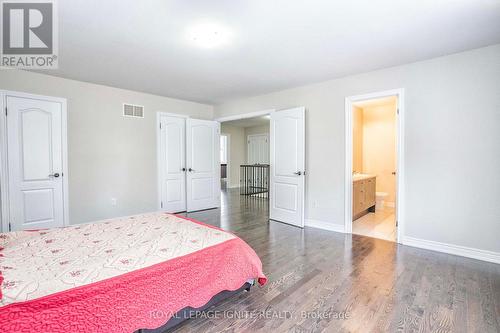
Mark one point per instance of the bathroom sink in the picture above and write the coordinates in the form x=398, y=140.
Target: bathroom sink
x=359, y=176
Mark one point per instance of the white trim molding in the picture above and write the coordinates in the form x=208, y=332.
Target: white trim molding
x=324, y=225
x=245, y=115
x=458, y=250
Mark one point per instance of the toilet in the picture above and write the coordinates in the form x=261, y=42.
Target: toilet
x=379, y=199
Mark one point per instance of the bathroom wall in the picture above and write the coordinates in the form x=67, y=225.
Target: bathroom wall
x=357, y=137
x=379, y=147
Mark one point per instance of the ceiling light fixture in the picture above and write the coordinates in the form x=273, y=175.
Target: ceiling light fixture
x=208, y=35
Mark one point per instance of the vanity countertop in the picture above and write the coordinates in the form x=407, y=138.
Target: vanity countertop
x=361, y=176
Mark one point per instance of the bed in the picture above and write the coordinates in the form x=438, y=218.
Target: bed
x=120, y=275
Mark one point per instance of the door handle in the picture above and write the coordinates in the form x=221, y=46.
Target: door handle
x=298, y=173
x=54, y=175
x=183, y=169
x=190, y=170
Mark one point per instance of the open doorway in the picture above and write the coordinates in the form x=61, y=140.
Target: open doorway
x=373, y=165
x=246, y=168
x=267, y=162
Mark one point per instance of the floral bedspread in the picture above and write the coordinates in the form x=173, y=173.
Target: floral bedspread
x=43, y=262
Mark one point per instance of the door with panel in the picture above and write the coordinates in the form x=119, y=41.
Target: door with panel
x=287, y=145
x=172, y=164
x=35, y=154
x=202, y=160
x=258, y=149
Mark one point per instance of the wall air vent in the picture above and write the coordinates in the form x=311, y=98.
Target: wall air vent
x=130, y=110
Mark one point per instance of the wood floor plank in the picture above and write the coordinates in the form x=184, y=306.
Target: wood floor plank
x=316, y=275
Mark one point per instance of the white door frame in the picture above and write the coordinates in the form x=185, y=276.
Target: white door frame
x=4, y=176
x=399, y=93
x=245, y=115
x=159, y=164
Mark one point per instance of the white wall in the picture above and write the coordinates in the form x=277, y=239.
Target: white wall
x=262, y=129
x=109, y=156
x=237, y=148
x=452, y=131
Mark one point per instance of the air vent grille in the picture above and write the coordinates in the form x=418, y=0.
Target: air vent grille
x=130, y=110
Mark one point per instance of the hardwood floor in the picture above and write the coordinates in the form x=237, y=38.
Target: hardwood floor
x=331, y=282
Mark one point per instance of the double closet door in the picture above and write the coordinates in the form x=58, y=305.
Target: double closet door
x=188, y=164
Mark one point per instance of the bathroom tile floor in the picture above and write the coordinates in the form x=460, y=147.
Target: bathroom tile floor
x=381, y=224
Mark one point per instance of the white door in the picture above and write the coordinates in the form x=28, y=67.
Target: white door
x=172, y=164
x=258, y=149
x=202, y=161
x=288, y=166
x=35, y=159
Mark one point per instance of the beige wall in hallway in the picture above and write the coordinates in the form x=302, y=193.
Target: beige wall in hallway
x=379, y=147
x=238, y=148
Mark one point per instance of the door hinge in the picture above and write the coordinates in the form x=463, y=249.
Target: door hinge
x=161, y=204
x=398, y=110
x=6, y=112
x=10, y=227
x=160, y=125
x=397, y=222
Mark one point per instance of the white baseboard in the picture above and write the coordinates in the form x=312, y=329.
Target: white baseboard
x=458, y=250
x=324, y=225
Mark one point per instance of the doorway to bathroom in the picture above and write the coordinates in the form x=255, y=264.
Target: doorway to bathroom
x=374, y=165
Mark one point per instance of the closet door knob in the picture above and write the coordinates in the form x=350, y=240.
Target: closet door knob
x=298, y=173
x=183, y=169
x=190, y=170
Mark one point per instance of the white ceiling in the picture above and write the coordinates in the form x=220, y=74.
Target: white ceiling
x=249, y=122
x=273, y=45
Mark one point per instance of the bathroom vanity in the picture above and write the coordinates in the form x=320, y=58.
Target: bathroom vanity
x=363, y=195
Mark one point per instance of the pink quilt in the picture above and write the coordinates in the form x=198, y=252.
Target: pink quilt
x=118, y=275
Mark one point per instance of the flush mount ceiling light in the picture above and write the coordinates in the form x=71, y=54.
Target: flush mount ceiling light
x=208, y=35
